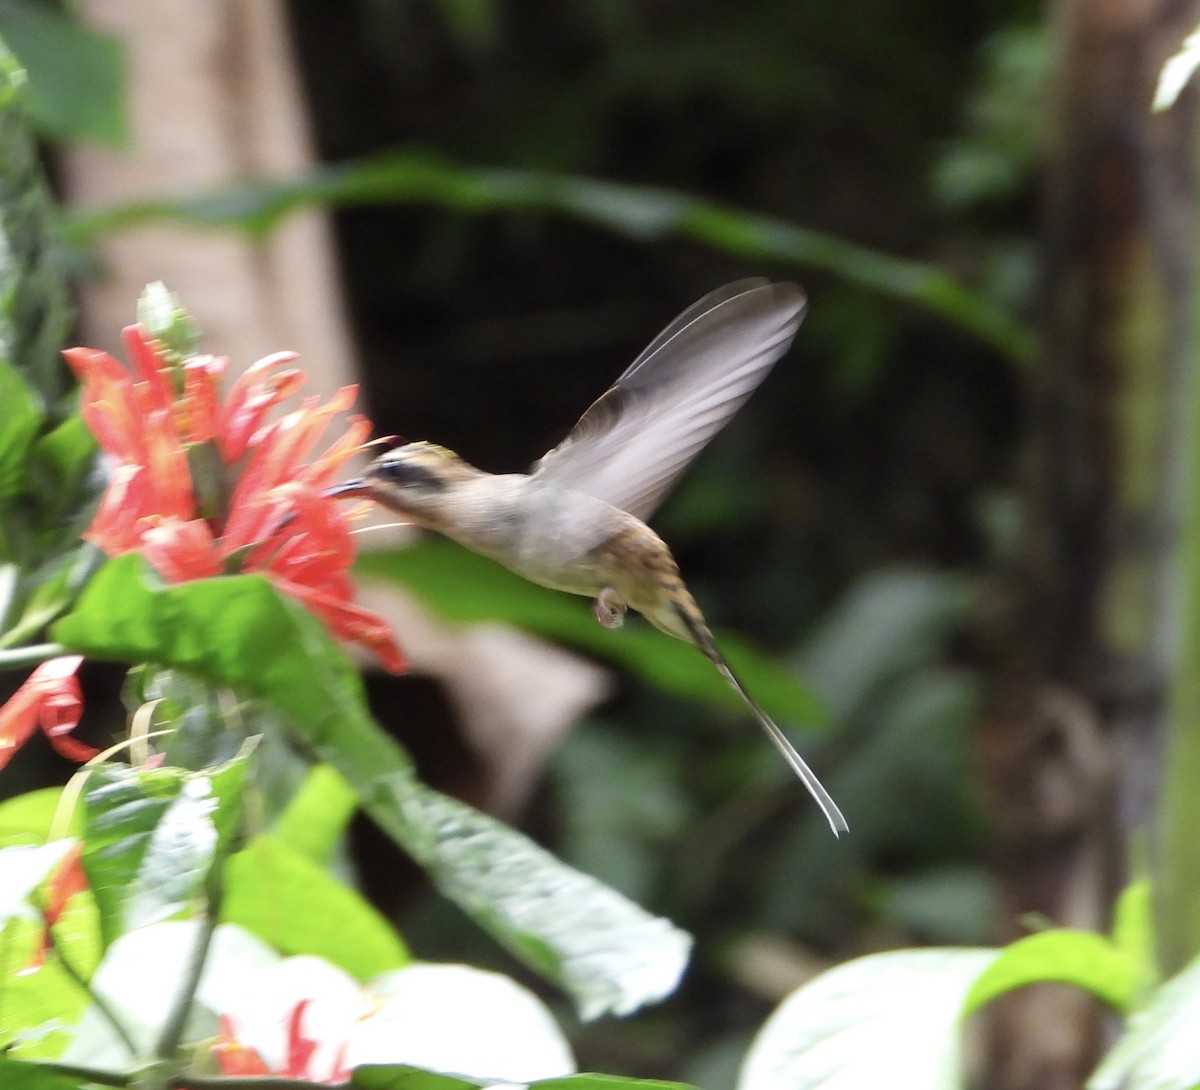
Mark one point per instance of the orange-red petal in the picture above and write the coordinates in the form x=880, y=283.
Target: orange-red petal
x=300, y=1049
x=109, y=405
x=260, y=387
x=67, y=879
x=150, y=369
x=349, y=621
x=50, y=698
x=198, y=413
x=234, y=1058
x=181, y=550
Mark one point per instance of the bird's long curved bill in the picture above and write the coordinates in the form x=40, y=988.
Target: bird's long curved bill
x=347, y=489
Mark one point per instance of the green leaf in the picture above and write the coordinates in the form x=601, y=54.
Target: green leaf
x=1082, y=958
x=151, y=839
x=317, y=815
x=27, y=818
x=464, y=587
x=884, y=1020
x=36, y=1005
x=19, y=1075
x=641, y=213
x=62, y=459
x=76, y=75
x=34, y=313
x=1160, y=1048
x=297, y=907
x=19, y=423
x=608, y=953
x=237, y=631
x=49, y=591
x=1133, y=931
x=403, y=1077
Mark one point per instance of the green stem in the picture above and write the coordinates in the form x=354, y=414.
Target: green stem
x=248, y=1082
x=21, y=658
x=172, y=1031
x=1177, y=908
x=100, y=1003
x=88, y=1074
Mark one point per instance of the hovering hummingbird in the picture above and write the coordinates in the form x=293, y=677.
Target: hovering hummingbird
x=575, y=522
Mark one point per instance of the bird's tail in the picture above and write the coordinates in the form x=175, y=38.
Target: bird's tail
x=703, y=639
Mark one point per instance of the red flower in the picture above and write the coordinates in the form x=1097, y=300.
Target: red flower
x=234, y=1058
x=67, y=879
x=202, y=487
x=51, y=699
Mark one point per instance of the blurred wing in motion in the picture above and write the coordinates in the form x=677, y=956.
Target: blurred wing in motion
x=633, y=442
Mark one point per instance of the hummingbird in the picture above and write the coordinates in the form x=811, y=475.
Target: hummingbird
x=576, y=521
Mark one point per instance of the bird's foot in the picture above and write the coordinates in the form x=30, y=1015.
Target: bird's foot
x=609, y=609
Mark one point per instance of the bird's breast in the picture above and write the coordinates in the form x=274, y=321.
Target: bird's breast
x=545, y=533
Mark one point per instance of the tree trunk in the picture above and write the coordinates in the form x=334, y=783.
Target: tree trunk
x=1070, y=754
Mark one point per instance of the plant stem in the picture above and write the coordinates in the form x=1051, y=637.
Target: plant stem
x=101, y=1004
x=172, y=1031
x=249, y=1082
x=88, y=1074
x=21, y=658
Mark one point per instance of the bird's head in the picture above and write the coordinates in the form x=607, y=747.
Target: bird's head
x=412, y=480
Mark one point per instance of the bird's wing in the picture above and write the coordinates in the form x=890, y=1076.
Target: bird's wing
x=629, y=447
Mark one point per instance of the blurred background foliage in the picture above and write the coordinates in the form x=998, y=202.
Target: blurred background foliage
x=846, y=519
x=843, y=519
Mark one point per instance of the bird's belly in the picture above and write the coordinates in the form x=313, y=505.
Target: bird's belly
x=550, y=537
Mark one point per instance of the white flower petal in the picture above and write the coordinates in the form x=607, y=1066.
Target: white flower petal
x=463, y=1021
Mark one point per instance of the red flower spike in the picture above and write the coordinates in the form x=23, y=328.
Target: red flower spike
x=153, y=376
x=49, y=698
x=277, y=522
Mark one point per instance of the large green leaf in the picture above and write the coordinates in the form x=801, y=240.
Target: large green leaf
x=238, y=632
x=298, y=907
x=884, y=1020
x=34, y=313
x=465, y=587
x=317, y=815
x=76, y=76
x=151, y=839
x=611, y=955
x=639, y=212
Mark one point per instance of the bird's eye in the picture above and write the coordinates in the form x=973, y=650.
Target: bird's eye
x=410, y=474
